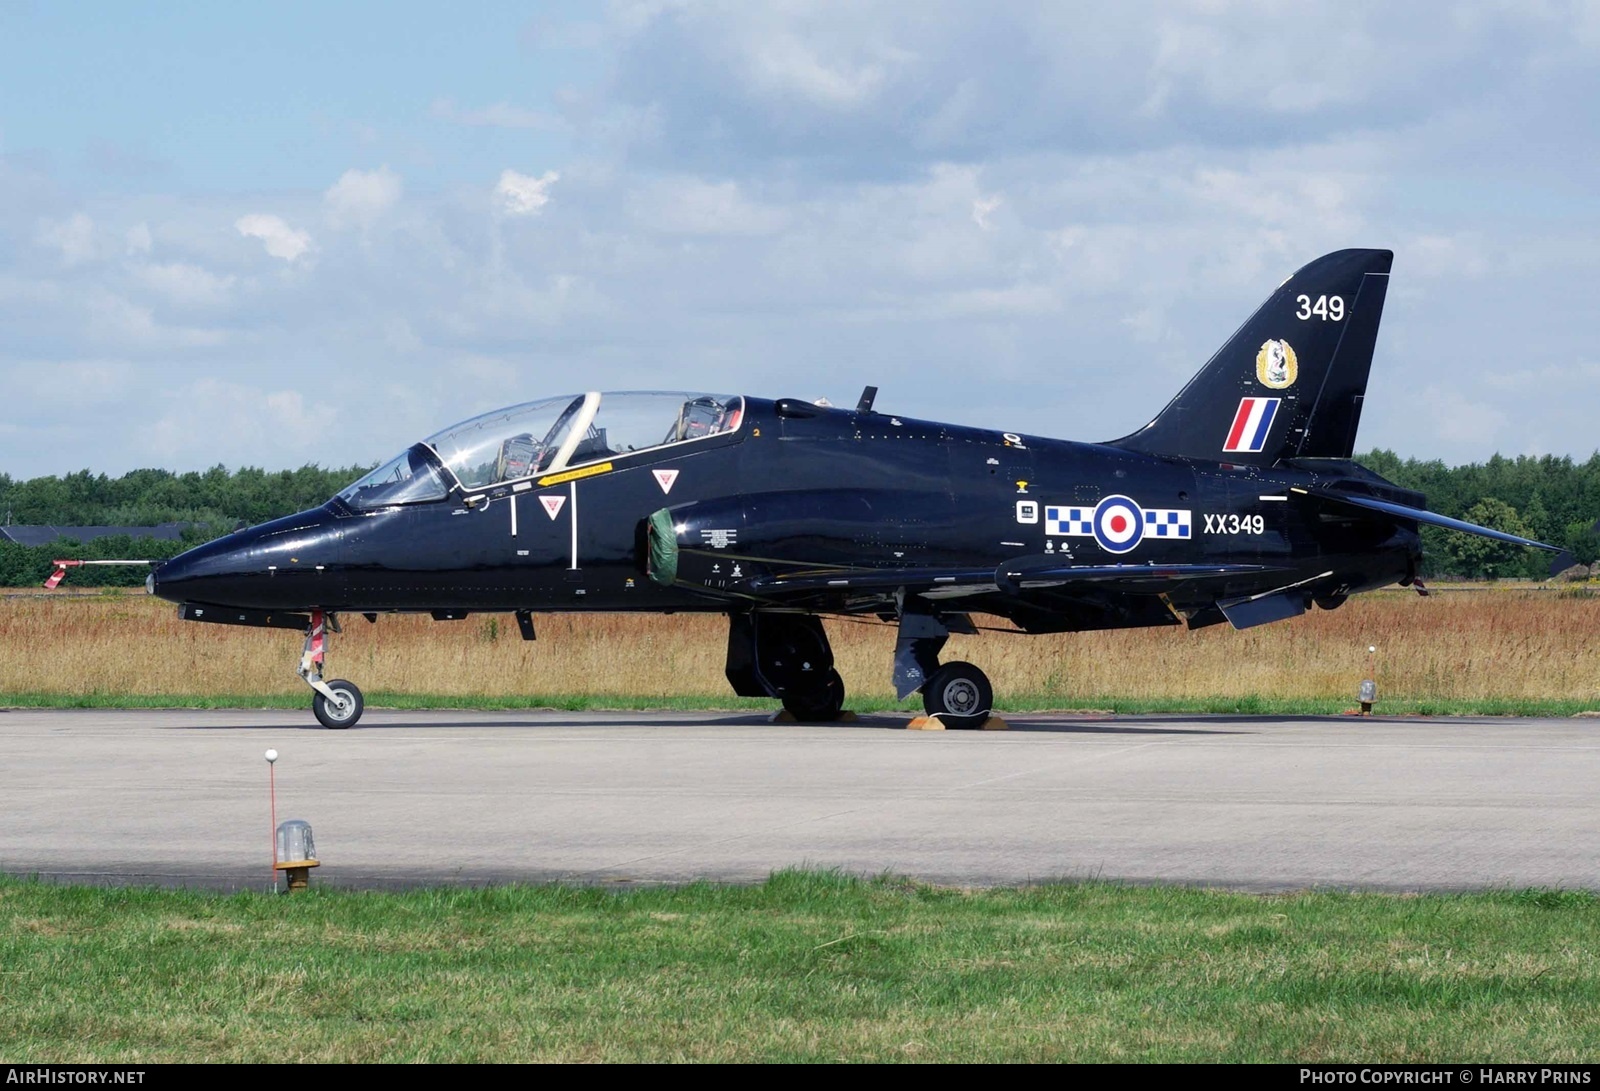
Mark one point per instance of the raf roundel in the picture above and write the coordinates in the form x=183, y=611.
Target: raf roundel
x=1118, y=524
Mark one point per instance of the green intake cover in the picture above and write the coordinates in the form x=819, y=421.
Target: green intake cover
x=663, y=540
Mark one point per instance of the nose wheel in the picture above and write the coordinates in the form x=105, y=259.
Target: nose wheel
x=337, y=704
x=342, y=709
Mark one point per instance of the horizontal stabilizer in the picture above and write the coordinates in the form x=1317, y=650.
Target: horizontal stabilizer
x=1421, y=515
x=1563, y=561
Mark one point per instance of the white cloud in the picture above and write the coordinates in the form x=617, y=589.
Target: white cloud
x=280, y=240
x=982, y=207
x=111, y=320
x=67, y=382
x=1455, y=418
x=1446, y=256
x=74, y=237
x=138, y=238
x=239, y=419
x=523, y=194
x=183, y=283
x=693, y=206
x=783, y=64
x=360, y=198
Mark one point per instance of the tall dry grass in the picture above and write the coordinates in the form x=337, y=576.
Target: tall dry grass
x=1451, y=647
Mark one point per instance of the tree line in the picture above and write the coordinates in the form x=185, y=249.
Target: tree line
x=210, y=504
x=1550, y=498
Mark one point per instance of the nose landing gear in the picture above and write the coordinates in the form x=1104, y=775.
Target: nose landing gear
x=337, y=704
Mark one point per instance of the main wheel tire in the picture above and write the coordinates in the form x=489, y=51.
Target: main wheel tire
x=347, y=712
x=959, y=694
x=821, y=705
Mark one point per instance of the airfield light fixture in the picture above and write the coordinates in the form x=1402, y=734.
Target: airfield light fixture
x=1368, y=692
x=296, y=853
x=272, y=810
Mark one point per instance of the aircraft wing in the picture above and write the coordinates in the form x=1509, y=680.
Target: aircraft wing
x=873, y=579
x=1422, y=515
x=1030, y=572
x=1010, y=577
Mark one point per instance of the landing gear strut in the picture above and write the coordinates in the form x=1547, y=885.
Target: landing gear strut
x=958, y=693
x=337, y=704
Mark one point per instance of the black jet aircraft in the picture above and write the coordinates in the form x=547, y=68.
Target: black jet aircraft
x=1239, y=502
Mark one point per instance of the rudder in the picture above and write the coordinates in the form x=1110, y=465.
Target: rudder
x=1290, y=382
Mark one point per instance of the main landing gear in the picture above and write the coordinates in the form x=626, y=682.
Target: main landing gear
x=958, y=693
x=337, y=704
x=788, y=656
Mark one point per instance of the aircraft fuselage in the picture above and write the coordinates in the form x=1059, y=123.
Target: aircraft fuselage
x=797, y=484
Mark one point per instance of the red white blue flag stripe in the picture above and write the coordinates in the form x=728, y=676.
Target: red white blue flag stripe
x=1251, y=424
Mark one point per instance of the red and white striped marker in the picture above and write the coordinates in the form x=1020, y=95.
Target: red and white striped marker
x=318, y=628
x=61, y=570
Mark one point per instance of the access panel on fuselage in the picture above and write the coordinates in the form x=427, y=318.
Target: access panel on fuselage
x=897, y=467
x=995, y=493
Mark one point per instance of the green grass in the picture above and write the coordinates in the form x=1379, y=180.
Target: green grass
x=807, y=967
x=1013, y=703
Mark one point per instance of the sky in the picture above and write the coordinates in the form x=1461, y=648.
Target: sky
x=277, y=234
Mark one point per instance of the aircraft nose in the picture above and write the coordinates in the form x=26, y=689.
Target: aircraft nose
x=294, y=562
x=191, y=575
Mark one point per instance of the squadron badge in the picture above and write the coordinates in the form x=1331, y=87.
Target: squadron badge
x=1276, y=365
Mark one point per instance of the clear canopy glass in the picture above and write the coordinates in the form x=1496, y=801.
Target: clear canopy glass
x=411, y=477
x=555, y=434
x=544, y=437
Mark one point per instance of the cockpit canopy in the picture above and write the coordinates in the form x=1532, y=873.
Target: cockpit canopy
x=543, y=437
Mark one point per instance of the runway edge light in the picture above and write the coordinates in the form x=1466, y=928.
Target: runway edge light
x=1368, y=692
x=296, y=853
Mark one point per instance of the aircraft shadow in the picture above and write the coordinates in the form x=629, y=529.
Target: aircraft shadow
x=865, y=723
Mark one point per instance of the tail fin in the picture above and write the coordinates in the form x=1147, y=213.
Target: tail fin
x=1290, y=382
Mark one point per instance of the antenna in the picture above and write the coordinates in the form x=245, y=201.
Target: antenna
x=868, y=396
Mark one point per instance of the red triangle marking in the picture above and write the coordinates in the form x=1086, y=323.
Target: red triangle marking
x=552, y=505
x=665, y=478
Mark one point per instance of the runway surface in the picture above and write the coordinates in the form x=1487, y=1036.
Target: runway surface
x=412, y=798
